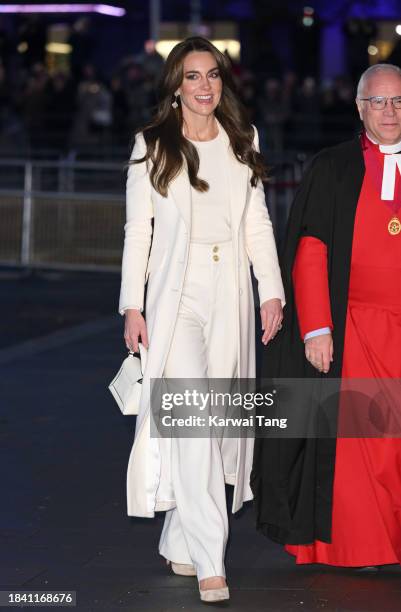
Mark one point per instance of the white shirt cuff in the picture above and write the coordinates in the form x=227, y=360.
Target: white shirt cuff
x=133, y=307
x=317, y=332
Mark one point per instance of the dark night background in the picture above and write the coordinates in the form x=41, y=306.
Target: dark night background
x=297, y=72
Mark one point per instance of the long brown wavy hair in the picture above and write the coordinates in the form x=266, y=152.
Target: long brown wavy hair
x=167, y=147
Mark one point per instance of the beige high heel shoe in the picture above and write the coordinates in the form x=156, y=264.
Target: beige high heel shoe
x=213, y=595
x=210, y=595
x=182, y=569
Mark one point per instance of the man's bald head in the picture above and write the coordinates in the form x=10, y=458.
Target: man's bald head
x=377, y=69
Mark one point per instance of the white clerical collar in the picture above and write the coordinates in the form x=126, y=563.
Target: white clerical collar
x=394, y=148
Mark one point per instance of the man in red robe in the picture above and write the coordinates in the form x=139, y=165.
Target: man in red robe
x=339, y=501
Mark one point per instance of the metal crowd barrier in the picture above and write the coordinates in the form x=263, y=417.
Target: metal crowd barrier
x=71, y=215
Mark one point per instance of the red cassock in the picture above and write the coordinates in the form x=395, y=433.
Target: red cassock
x=366, y=514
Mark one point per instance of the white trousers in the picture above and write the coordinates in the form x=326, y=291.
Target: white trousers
x=204, y=345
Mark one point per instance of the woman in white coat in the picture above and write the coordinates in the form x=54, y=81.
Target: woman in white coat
x=196, y=220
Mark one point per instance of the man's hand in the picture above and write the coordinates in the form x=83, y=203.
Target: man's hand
x=135, y=328
x=271, y=314
x=319, y=352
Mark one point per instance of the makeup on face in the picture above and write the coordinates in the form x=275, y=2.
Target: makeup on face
x=201, y=88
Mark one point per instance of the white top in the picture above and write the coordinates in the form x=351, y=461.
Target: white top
x=211, y=209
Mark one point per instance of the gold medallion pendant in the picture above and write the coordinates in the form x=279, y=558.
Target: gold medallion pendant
x=394, y=226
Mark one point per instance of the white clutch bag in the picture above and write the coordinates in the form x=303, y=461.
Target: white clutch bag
x=126, y=386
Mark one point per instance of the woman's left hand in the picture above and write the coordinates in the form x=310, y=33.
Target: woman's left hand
x=271, y=314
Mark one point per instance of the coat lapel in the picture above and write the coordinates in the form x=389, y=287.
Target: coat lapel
x=237, y=178
x=180, y=189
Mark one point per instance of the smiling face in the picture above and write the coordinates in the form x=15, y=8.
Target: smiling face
x=384, y=126
x=201, y=87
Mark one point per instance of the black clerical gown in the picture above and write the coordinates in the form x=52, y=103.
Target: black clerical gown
x=292, y=480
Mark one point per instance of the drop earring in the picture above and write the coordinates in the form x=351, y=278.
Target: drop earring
x=175, y=103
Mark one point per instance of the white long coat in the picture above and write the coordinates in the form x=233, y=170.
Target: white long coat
x=164, y=269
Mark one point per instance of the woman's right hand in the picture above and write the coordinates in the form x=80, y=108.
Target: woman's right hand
x=135, y=328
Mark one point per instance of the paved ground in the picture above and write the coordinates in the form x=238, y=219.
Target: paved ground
x=64, y=449
x=34, y=303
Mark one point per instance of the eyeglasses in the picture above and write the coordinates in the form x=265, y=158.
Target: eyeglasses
x=380, y=102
